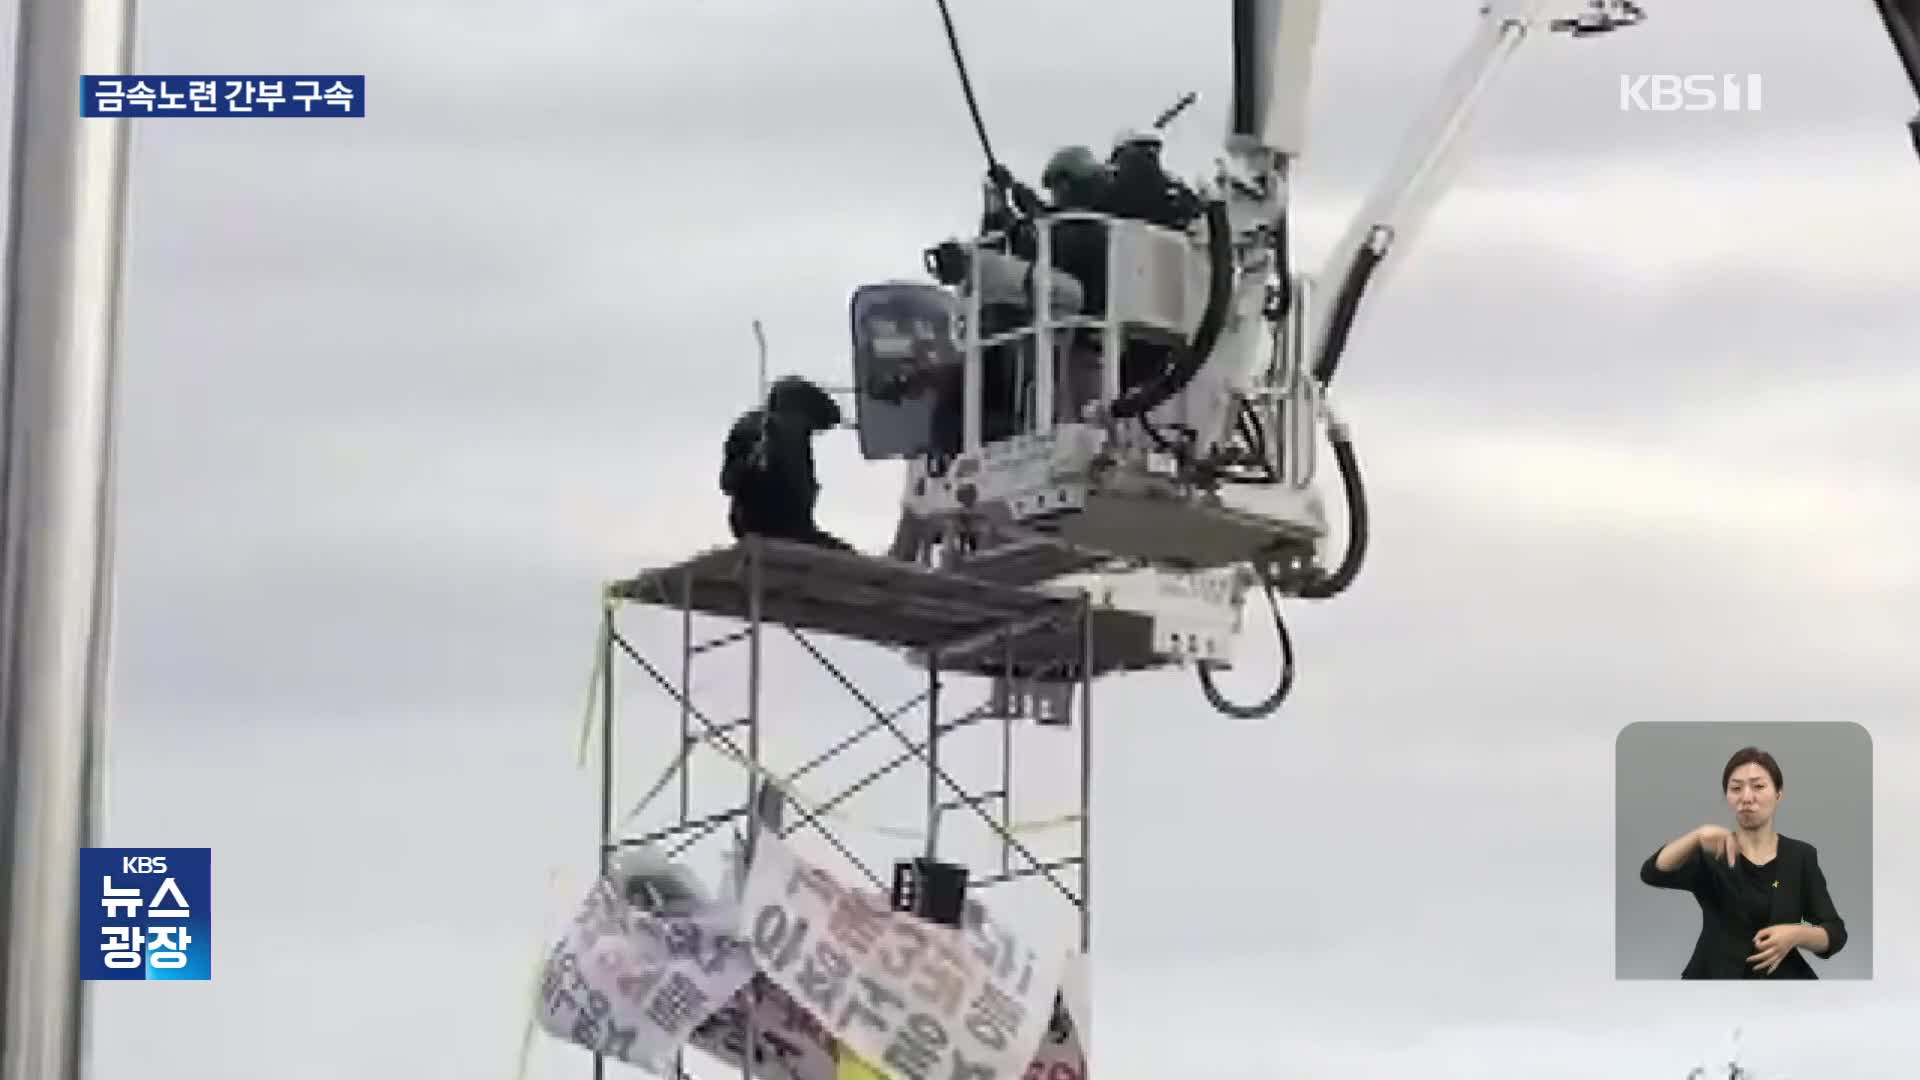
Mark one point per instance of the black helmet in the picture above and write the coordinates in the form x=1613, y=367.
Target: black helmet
x=792, y=395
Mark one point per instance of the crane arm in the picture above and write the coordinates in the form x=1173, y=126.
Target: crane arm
x=1406, y=196
x=1273, y=44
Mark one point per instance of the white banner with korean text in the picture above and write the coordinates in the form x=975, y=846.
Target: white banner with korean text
x=794, y=1046
x=789, y=1042
x=913, y=999
x=635, y=986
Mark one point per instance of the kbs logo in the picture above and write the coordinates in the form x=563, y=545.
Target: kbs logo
x=146, y=913
x=1690, y=93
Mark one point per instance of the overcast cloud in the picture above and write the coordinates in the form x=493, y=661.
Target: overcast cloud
x=1637, y=415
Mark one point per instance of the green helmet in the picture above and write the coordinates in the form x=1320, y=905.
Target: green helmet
x=1071, y=168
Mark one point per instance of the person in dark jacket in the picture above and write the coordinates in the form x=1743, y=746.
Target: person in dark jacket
x=1078, y=182
x=1763, y=897
x=1142, y=189
x=767, y=466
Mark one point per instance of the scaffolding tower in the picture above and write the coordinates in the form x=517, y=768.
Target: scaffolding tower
x=1039, y=650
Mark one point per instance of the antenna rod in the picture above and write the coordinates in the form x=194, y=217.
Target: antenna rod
x=1173, y=111
x=68, y=193
x=760, y=339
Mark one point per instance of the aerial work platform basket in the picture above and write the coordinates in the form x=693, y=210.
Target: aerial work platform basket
x=1053, y=455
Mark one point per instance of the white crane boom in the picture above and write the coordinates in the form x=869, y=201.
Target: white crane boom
x=1406, y=197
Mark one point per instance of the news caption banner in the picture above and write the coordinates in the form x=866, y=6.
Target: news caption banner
x=113, y=96
x=915, y=1000
x=146, y=914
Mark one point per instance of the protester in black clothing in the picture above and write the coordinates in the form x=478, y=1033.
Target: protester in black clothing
x=767, y=466
x=1142, y=188
x=1762, y=895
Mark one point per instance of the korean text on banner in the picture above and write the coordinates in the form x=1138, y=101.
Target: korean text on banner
x=634, y=986
x=793, y=1045
x=790, y=1043
x=916, y=1000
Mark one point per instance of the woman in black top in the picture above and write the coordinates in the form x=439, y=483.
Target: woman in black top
x=1762, y=896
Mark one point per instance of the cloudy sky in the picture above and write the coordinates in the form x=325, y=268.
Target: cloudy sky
x=400, y=392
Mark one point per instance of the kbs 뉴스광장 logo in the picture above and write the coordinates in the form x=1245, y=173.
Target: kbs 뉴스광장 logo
x=146, y=913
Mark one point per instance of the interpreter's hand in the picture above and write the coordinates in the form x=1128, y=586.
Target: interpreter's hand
x=1717, y=841
x=1774, y=943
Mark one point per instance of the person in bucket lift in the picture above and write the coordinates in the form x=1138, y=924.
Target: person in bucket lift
x=1072, y=179
x=767, y=469
x=1077, y=181
x=1141, y=188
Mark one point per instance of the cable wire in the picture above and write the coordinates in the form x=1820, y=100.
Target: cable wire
x=966, y=85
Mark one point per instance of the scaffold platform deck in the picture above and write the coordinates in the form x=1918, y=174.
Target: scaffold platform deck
x=968, y=624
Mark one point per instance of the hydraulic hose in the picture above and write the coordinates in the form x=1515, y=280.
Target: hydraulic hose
x=1353, y=489
x=1266, y=706
x=1352, y=483
x=1346, y=308
x=1176, y=375
x=1359, y=524
x=1353, y=486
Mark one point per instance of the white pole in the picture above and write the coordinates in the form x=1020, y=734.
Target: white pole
x=68, y=194
x=760, y=340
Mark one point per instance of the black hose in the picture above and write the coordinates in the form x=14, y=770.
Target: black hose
x=1353, y=486
x=1266, y=706
x=1359, y=523
x=1352, y=483
x=1346, y=307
